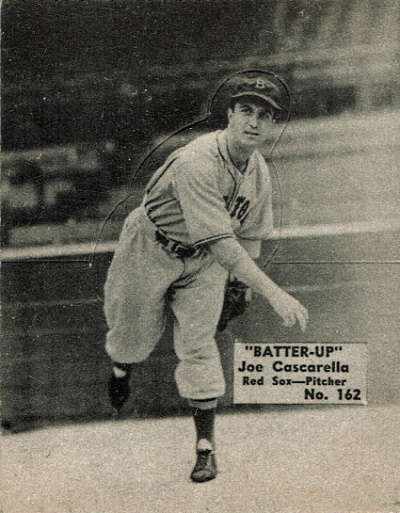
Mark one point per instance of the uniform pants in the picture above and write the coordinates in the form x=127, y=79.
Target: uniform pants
x=141, y=278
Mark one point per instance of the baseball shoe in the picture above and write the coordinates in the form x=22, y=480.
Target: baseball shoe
x=118, y=387
x=205, y=468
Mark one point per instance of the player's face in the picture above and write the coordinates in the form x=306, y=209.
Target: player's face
x=249, y=123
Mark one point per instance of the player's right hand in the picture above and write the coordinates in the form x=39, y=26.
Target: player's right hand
x=289, y=309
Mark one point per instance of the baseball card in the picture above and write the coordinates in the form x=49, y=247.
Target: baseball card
x=200, y=256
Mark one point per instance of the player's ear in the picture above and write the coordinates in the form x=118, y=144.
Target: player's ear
x=230, y=113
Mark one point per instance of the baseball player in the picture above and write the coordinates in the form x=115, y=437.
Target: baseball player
x=204, y=213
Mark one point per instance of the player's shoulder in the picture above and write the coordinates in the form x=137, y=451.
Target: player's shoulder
x=202, y=148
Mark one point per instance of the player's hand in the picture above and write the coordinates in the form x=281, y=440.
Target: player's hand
x=289, y=309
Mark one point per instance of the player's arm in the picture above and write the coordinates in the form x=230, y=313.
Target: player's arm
x=253, y=249
x=230, y=255
x=208, y=222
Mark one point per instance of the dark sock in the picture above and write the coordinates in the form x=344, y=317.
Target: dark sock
x=204, y=423
x=118, y=385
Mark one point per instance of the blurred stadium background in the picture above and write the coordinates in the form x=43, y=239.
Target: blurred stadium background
x=89, y=87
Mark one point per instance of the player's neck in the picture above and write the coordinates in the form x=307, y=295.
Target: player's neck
x=239, y=155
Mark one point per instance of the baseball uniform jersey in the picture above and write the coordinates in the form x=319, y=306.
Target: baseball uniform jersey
x=198, y=196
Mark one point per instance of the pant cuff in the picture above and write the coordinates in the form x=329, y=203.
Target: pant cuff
x=206, y=404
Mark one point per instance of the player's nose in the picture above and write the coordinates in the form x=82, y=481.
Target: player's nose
x=254, y=120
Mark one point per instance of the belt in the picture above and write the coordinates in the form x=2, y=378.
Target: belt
x=173, y=246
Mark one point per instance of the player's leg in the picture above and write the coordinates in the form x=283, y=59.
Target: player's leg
x=118, y=384
x=134, y=302
x=199, y=376
x=203, y=412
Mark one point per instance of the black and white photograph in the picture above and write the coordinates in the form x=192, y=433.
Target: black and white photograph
x=200, y=256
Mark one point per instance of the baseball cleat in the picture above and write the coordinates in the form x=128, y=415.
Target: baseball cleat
x=205, y=468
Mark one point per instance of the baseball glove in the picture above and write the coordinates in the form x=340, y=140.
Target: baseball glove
x=235, y=303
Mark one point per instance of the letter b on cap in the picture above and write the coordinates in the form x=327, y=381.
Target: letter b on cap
x=261, y=84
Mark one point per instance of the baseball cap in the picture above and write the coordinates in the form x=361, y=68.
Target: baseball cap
x=258, y=87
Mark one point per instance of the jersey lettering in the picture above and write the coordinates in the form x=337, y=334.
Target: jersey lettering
x=240, y=208
x=239, y=200
x=243, y=210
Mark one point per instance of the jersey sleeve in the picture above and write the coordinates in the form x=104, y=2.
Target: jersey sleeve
x=197, y=189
